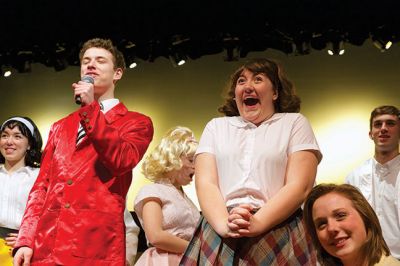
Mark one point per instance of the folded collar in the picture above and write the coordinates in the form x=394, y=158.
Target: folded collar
x=239, y=122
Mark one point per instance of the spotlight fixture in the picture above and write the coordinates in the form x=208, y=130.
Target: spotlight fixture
x=337, y=48
x=231, y=46
x=177, y=55
x=132, y=64
x=231, y=54
x=382, y=44
x=318, y=42
x=178, y=59
x=301, y=48
x=23, y=61
x=129, y=54
x=382, y=38
x=6, y=71
x=60, y=58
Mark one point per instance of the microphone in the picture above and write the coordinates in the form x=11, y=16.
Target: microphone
x=87, y=79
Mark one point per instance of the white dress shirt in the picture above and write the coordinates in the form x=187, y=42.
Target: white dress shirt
x=14, y=192
x=251, y=160
x=380, y=185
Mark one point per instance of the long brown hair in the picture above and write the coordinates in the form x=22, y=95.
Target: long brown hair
x=373, y=248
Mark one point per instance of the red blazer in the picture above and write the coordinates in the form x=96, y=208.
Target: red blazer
x=74, y=214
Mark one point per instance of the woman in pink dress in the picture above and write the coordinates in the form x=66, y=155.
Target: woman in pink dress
x=167, y=215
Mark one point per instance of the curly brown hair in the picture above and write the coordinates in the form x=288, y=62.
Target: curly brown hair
x=374, y=247
x=118, y=57
x=287, y=102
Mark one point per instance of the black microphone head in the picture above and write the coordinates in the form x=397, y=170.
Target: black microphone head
x=87, y=79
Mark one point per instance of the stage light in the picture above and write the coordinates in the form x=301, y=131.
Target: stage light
x=382, y=44
x=129, y=51
x=6, y=71
x=178, y=59
x=318, y=42
x=177, y=50
x=23, y=61
x=382, y=38
x=337, y=48
x=231, y=44
x=231, y=54
x=60, y=58
x=301, y=48
x=132, y=65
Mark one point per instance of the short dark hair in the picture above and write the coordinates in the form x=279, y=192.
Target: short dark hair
x=375, y=245
x=34, y=154
x=287, y=100
x=383, y=110
x=119, y=61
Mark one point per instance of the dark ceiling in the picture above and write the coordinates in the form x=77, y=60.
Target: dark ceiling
x=51, y=32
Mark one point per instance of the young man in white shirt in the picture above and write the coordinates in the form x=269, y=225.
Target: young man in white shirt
x=378, y=178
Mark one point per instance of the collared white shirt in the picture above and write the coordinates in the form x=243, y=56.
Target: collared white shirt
x=109, y=104
x=380, y=185
x=131, y=237
x=14, y=192
x=251, y=160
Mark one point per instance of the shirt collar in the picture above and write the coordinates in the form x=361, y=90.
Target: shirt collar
x=390, y=164
x=26, y=169
x=238, y=121
x=388, y=167
x=109, y=104
x=394, y=162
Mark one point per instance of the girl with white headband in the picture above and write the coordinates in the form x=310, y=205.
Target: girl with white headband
x=20, y=148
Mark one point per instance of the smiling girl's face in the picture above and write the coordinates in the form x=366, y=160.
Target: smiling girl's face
x=339, y=226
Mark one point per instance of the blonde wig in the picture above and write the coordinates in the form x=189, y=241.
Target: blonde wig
x=177, y=142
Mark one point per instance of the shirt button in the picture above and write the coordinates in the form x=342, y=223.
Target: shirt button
x=89, y=127
x=87, y=120
x=67, y=205
x=84, y=113
x=69, y=181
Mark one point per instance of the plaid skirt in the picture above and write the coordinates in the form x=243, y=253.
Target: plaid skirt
x=285, y=244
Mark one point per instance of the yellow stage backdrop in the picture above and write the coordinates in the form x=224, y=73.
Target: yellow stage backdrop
x=337, y=92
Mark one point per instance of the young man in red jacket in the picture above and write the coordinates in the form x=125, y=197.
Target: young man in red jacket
x=74, y=214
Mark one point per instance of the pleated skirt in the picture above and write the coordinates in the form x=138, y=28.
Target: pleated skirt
x=286, y=244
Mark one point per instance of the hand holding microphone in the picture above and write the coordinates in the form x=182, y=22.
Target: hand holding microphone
x=87, y=79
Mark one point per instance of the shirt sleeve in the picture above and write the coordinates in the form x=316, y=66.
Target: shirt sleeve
x=132, y=233
x=120, y=145
x=146, y=192
x=207, y=140
x=303, y=138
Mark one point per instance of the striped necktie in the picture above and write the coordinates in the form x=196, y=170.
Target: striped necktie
x=81, y=130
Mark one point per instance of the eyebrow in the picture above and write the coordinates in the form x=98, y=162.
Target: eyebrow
x=333, y=211
x=385, y=120
x=96, y=57
x=319, y=219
